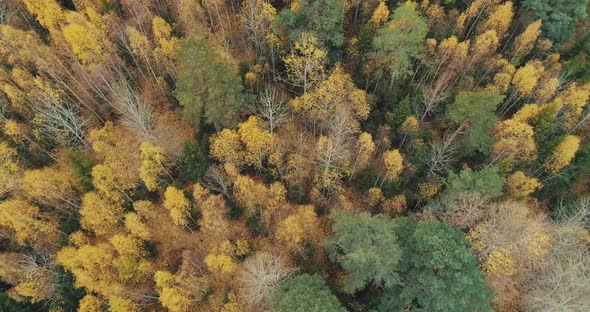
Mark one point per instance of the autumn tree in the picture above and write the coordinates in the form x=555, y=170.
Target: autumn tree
x=262, y=277
x=27, y=224
x=178, y=205
x=153, y=165
x=99, y=215
x=563, y=154
x=8, y=168
x=206, y=87
x=306, y=62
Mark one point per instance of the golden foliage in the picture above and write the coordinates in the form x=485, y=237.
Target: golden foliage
x=500, y=19
x=520, y=186
x=380, y=15
x=526, y=78
x=393, y=161
x=563, y=154
x=90, y=303
x=153, y=165
x=525, y=42
x=514, y=140
x=410, y=125
x=297, y=227
x=99, y=215
x=8, y=168
x=27, y=223
x=178, y=204
x=305, y=62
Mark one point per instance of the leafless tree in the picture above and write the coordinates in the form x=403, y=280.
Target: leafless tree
x=441, y=156
x=60, y=118
x=564, y=283
x=217, y=179
x=262, y=276
x=6, y=11
x=463, y=210
x=273, y=108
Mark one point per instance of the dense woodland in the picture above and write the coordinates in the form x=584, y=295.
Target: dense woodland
x=295, y=155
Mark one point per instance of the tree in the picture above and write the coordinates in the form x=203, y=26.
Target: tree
x=305, y=62
x=563, y=154
x=394, y=165
x=27, y=224
x=525, y=42
x=297, y=227
x=321, y=17
x=558, y=18
x=436, y=262
x=87, y=37
x=500, y=19
x=90, y=303
x=519, y=186
x=380, y=15
x=475, y=111
x=99, y=215
x=306, y=293
x=367, y=248
x=206, y=87
x=262, y=277
x=178, y=204
x=153, y=165
x=400, y=41
x=514, y=140
x=273, y=108
x=52, y=186
x=8, y=168
x=256, y=139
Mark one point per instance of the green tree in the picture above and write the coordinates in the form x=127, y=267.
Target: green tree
x=559, y=16
x=207, y=87
x=437, y=271
x=475, y=111
x=399, y=42
x=322, y=17
x=366, y=247
x=306, y=293
x=487, y=182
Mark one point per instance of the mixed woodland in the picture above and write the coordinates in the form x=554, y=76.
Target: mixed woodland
x=294, y=155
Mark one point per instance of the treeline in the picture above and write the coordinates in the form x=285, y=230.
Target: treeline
x=304, y=155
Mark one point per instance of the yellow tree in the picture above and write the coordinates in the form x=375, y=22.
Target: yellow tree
x=119, y=171
x=136, y=226
x=28, y=224
x=514, y=140
x=563, y=154
x=87, y=36
x=380, y=15
x=257, y=139
x=120, y=304
x=178, y=204
x=90, y=303
x=92, y=266
x=249, y=194
x=394, y=164
x=227, y=147
x=8, y=168
x=525, y=42
x=526, y=78
x=99, y=215
x=30, y=274
x=178, y=293
x=297, y=227
x=306, y=62
x=336, y=97
x=500, y=19
x=48, y=12
x=52, y=186
x=519, y=185
x=364, y=151
x=153, y=165
x=167, y=45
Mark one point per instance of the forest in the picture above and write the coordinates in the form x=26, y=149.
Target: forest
x=294, y=155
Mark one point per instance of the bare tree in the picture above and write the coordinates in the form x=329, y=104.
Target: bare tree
x=441, y=156
x=217, y=179
x=59, y=118
x=6, y=11
x=262, y=276
x=564, y=283
x=273, y=108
